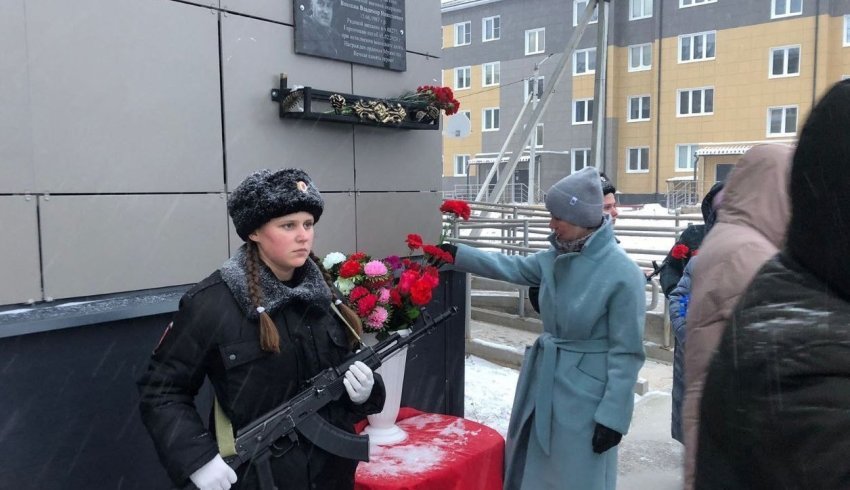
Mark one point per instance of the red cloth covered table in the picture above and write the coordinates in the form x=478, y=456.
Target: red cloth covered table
x=441, y=452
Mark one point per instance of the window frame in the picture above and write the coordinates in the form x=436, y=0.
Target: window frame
x=693, y=89
x=573, y=152
x=846, y=30
x=540, y=137
x=770, y=73
x=690, y=168
x=588, y=111
x=496, y=73
x=640, y=97
x=536, y=31
x=540, y=80
x=692, y=36
x=465, y=166
x=585, y=52
x=785, y=133
x=643, y=4
x=468, y=69
x=467, y=32
x=629, y=160
x=496, y=120
x=641, y=67
x=496, y=30
x=774, y=15
x=694, y=3
x=576, y=11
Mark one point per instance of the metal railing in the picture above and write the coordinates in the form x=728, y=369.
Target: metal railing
x=520, y=230
x=514, y=193
x=684, y=193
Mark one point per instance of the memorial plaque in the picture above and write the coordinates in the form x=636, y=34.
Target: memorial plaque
x=367, y=32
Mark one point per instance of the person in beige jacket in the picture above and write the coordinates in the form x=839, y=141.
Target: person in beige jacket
x=750, y=228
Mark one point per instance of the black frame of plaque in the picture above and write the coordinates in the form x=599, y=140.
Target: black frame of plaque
x=311, y=94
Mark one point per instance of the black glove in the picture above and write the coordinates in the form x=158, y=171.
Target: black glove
x=605, y=438
x=448, y=247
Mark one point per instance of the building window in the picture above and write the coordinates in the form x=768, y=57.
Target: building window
x=685, y=157
x=639, y=108
x=529, y=87
x=582, y=111
x=463, y=33
x=782, y=121
x=491, y=74
x=578, y=8
x=490, y=119
x=638, y=159
x=847, y=30
x=696, y=47
x=535, y=41
x=784, y=61
x=491, y=28
x=461, y=164
x=584, y=61
x=539, y=141
x=695, y=102
x=640, y=57
x=463, y=77
x=640, y=9
x=691, y=3
x=785, y=8
x=580, y=158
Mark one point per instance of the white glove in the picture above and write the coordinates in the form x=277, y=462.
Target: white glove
x=358, y=382
x=215, y=475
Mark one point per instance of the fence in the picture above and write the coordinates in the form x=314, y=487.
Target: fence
x=683, y=193
x=514, y=193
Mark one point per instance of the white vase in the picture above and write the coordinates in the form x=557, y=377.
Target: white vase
x=382, y=429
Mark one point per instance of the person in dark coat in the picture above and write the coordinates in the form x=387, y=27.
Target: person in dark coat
x=775, y=410
x=677, y=302
x=686, y=246
x=257, y=328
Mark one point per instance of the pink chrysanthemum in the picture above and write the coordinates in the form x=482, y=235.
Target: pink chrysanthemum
x=383, y=295
x=375, y=268
x=377, y=317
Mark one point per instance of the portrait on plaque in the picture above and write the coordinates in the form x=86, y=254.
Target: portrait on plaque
x=368, y=32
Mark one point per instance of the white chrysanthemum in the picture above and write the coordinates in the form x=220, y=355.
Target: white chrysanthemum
x=333, y=259
x=344, y=285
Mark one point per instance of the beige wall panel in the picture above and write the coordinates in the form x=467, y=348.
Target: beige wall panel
x=19, y=250
x=129, y=242
x=385, y=218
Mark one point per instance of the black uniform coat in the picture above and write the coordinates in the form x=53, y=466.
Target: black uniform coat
x=215, y=335
x=775, y=409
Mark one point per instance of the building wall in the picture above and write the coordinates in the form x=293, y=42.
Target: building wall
x=125, y=124
x=743, y=89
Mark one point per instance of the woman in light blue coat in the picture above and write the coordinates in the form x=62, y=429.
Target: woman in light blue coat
x=574, y=398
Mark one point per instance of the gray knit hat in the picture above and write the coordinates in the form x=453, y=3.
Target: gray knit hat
x=577, y=198
x=265, y=195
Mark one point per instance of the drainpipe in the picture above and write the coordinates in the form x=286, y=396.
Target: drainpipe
x=815, y=66
x=657, y=61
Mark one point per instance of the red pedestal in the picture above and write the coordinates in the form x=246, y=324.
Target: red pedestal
x=442, y=452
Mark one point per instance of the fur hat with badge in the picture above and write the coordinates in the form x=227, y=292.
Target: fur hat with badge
x=577, y=198
x=265, y=195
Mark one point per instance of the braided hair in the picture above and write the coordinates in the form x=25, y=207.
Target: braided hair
x=269, y=338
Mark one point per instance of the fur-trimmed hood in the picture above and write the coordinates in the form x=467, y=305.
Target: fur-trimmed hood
x=311, y=287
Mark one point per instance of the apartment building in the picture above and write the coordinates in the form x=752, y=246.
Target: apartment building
x=691, y=84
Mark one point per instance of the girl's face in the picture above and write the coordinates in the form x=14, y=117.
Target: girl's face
x=284, y=243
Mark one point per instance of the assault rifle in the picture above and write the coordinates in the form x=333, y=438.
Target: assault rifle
x=256, y=442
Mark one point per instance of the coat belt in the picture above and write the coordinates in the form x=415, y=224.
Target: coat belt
x=543, y=404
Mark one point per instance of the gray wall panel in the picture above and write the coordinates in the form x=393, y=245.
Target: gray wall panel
x=19, y=250
x=254, y=54
x=16, y=171
x=274, y=10
x=130, y=242
x=392, y=159
x=116, y=107
x=385, y=218
x=423, y=27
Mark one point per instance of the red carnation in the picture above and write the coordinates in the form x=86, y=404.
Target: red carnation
x=395, y=297
x=366, y=305
x=414, y=241
x=456, y=207
x=357, y=293
x=432, y=276
x=405, y=282
x=358, y=256
x=349, y=268
x=679, y=251
x=420, y=293
x=432, y=250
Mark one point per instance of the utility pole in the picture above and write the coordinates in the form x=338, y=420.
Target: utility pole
x=597, y=152
x=531, y=152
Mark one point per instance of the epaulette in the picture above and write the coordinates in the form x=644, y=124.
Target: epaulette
x=209, y=281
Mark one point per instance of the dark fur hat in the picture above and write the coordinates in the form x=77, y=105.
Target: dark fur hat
x=265, y=195
x=819, y=232
x=607, y=186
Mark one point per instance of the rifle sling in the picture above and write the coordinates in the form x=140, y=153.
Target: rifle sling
x=332, y=439
x=224, y=432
